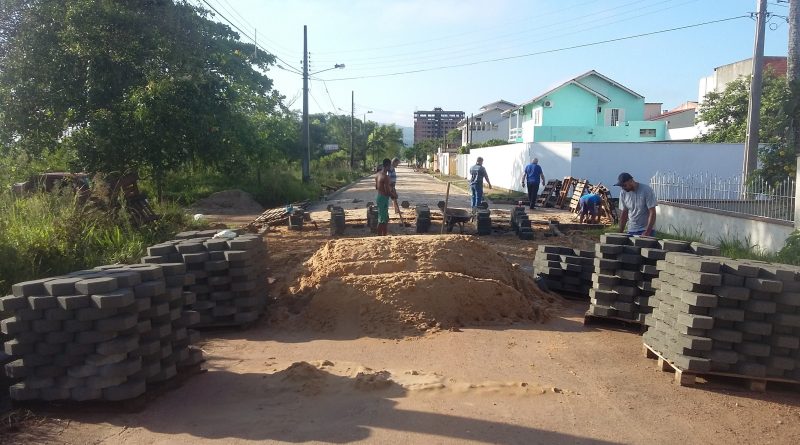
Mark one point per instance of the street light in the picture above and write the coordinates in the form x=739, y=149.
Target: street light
x=306, y=134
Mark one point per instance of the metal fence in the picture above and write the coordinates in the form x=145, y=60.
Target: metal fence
x=735, y=195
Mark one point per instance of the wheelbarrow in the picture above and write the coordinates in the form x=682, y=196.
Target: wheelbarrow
x=455, y=216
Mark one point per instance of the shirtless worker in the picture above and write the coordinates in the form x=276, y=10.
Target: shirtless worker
x=385, y=192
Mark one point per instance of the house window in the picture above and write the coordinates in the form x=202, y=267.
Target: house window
x=615, y=117
x=647, y=132
x=537, y=117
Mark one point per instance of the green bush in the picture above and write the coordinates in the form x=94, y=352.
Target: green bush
x=790, y=253
x=47, y=234
x=276, y=185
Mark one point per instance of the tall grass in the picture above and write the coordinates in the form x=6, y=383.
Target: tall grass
x=275, y=185
x=47, y=234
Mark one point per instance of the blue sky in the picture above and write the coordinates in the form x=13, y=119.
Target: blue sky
x=377, y=39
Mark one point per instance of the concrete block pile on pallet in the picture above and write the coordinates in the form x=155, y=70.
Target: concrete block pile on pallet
x=617, y=282
x=229, y=275
x=624, y=270
x=565, y=269
x=101, y=334
x=715, y=314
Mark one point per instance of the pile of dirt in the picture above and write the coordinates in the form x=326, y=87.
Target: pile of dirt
x=397, y=286
x=228, y=202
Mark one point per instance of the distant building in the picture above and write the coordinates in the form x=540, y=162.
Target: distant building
x=435, y=124
x=587, y=108
x=725, y=74
x=681, y=116
x=489, y=123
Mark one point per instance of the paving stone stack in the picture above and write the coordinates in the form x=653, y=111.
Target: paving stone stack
x=565, y=269
x=337, y=225
x=520, y=223
x=624, y=270
x=423, y=220
x=91, y=335
x=296, y=219
x=714, y=314
x=483, y=220
x=616, y=277
x=229, y=275
x=372, y=217
x=166, y=346
x=5, y=382
x=651, y=252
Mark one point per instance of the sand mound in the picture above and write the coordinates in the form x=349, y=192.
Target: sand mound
x=323, y=377
x=228, y=202
x=398, y=286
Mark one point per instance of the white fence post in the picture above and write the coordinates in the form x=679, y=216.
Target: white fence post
x=796, y=199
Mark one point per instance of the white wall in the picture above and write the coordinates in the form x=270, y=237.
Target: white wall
x=603, y=161
x=505, y=164
x=714, y=226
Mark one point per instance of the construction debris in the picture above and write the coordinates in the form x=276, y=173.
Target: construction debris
x=275, y=216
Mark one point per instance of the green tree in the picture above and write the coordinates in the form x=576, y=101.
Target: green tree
x=454, y=137
x=726, y=114
x=139, y=85
x=385, y=141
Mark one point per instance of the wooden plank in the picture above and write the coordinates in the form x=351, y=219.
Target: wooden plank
x=633, y=325
x=689, y=378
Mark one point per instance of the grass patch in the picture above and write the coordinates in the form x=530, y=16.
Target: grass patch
x=49, y=234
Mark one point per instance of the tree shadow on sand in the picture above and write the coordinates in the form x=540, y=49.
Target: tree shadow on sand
x=305, y=403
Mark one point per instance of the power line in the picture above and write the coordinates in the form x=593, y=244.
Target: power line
x=329, y=95
x=294, y=98
x=251, y=26
x=471, y=46
x=315, y=101
x=252, y=39
x=471, y=32
x=396, y=62
x=549, y=51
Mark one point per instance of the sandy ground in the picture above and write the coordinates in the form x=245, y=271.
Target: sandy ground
x=527, y=383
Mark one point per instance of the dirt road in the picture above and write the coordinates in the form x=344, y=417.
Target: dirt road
x=553, y=383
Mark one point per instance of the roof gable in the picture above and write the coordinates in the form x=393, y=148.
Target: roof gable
x=499, y=105
x=577, y=82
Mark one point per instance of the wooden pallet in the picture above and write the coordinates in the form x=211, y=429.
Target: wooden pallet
x=564, y=194
x=625, y=323
x=689, y=378
x=580, y=189
x=548, y=194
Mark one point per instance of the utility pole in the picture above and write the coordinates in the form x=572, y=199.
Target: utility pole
x=352, y=117
x=754, y=104
x=306, y=140
x=793, y=79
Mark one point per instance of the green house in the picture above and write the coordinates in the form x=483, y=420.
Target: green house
x=587, y=108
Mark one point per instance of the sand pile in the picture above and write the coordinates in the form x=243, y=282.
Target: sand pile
x=324, y=377
x=398, y=286
x=228, y=202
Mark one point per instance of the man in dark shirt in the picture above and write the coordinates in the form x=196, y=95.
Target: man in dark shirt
x=477, y=174
x=533, y=173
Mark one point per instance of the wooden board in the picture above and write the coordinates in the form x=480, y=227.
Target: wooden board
x=689, y=378
x=632, y=325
